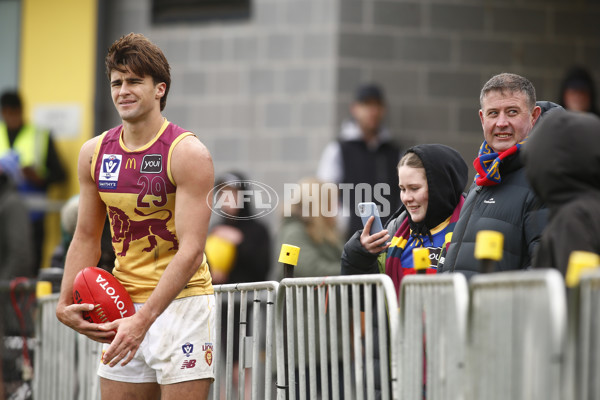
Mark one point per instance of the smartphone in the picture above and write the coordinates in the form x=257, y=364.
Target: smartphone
x=365, y=210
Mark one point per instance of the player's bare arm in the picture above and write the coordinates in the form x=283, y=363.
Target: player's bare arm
x=192, y=169
x=84, y=250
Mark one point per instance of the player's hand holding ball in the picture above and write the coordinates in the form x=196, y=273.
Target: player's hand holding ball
x=106, y=298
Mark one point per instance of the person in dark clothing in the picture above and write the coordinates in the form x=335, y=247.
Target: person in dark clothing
x=501, y=199
x=431, y=180
x=246, y=239
x=34, y=151
x=363, y=159
x=16, y=258
x=562, y=161
x=238, y=250
x=578, y=91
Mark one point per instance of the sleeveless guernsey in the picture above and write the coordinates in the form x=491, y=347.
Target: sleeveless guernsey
x=139, y=192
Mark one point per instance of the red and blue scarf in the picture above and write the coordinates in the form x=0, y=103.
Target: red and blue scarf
x=487, y=164
x=393, y=263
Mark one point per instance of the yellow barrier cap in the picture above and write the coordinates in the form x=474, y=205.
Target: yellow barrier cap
x=488, y=245
x=289, y=254
x=221, y=253
x=421, y=258
x=580, y=261
x=43, y=288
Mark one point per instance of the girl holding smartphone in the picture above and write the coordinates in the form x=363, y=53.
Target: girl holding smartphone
x=431, y=178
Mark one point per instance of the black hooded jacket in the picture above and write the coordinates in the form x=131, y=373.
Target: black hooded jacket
x=446, y=174
x=511, y=208
x=562, y=160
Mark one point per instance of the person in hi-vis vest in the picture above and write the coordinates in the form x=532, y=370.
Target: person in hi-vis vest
x=35, y=161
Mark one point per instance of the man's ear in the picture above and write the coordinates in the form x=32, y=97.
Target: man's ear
x=160, y=90
x=537, y=111
x=481, y=116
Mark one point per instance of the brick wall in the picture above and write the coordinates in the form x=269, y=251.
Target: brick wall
x=260, y=93
x=266, y=94
x=434, y=56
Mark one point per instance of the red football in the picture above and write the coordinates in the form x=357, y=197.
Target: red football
x=99, y=287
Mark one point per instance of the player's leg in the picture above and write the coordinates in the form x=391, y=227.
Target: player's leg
x=190, y=390
x=182, y=349
x=136, y=380
x=114, y=390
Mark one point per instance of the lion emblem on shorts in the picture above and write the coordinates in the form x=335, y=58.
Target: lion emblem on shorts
x=208, y=357
x=126, y=230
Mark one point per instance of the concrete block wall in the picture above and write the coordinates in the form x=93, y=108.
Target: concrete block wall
x=433, y=56
x=260, y=93
x=268, y=93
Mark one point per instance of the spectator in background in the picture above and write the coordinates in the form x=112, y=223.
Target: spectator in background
x=315, y=233
x=501, y=199
x=577, y=91
x=33, y=148
x=68, y=222
x=16, y=255
x=364, y=153
x=431, y=179
x=16, y=260
x=238, y=247
x=238, y=250
x=562, y=160
x=313, y=228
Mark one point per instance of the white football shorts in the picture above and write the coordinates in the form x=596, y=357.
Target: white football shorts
x=178, y=347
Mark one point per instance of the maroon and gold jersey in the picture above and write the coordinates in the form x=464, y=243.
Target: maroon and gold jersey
x=139, y=192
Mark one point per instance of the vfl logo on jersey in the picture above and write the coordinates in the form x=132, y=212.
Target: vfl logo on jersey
x=187, y=348
x=109, y=171
x=152, y=164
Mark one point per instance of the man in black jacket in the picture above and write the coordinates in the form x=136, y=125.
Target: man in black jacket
x=501, y=199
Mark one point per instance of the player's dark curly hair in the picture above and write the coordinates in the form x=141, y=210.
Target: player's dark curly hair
x=134, y=52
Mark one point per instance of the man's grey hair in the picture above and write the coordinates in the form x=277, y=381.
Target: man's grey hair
x=512, y=83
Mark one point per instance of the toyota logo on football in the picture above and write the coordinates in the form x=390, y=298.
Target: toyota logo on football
x=242, y=199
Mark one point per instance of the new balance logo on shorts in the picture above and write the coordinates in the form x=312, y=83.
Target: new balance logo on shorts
x=188, y=364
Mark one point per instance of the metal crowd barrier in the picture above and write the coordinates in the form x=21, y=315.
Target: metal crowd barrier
x=65, y=362
x=586, y=339
x=17, y=333
x=250, y=363
x=254, y=352
x=433, y=313
x=343, y=338
x=516, y=335
x=89, y=354
x=327, y=348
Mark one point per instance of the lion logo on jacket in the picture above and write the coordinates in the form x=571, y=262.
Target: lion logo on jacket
x=126, y=230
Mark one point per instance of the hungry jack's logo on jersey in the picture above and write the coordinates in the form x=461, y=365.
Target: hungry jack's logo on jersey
x=109, y=171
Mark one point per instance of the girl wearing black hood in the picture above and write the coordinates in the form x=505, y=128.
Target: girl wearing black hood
x=431, y=179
